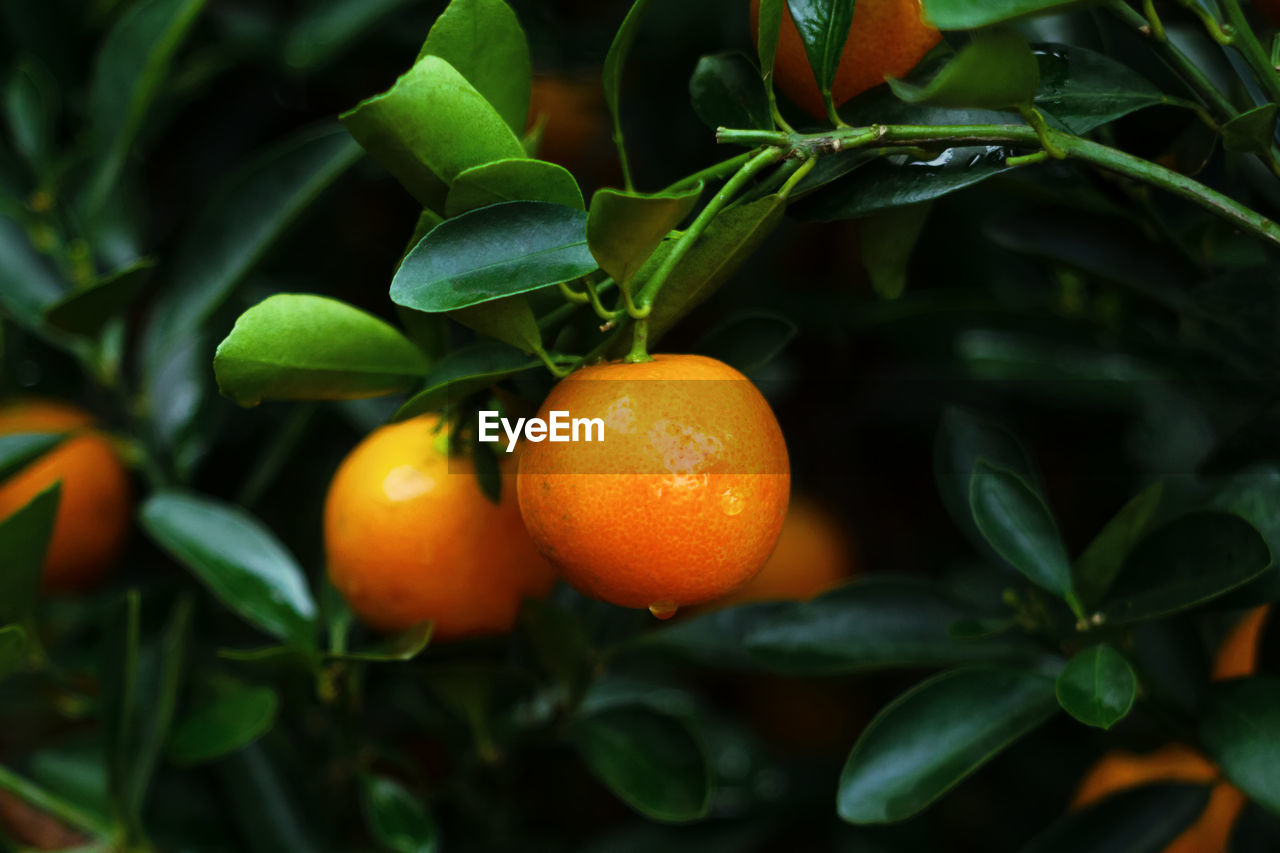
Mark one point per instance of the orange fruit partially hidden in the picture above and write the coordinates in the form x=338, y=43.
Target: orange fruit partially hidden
x=887, y=39
x=1117, y=771
x=410, y=536
x=681, y=502
x=95, y=504
x=1238, y=654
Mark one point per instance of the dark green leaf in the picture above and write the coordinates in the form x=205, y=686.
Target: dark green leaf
x=1084, y=90
x=483, y=40
x=1240, y=729
x=652, y=761
x=327, y=28
x=936, y=734
x=1187, y=562
x=624, y=228
x=512, y=180
x=824, y=27
x=1014, y=519
x=31, y=107
x=509, y=319
x=1100, y=563
x=85, y=312
x=236, y=715
x=429, y=127
x=24, y=539
x=995, y=71
x=463, y=372
x=238, y=558
x=1098, y=686
x=493, y=252
x=296, y=346
x=964, y=438
x=716, y=639
x=1251, y=132
x=888, y=239
x=750, y=341
x=1145, y=819
x=19, y=448
x=973, y=14
x=397, y=818
x=726, y=92
x=28, y=282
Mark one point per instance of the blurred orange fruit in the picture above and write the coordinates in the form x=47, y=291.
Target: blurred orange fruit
x=1238, y=654
x=887, y=39
x=96, y=500
x=680, y=504
x=410, y=536
x=1117, y=771
x=574, y=119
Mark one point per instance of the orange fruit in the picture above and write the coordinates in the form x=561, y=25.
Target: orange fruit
x=682, y=501
x=887, y=39
x=811, y=557
x=409, y=536
x=574, y=117
x=1117, y=771
x=1238, y=654
x=96, y=502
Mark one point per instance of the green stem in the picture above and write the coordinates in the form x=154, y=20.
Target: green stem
x=1153, y=20
x=723, y=169
x=556, y=370
x=596, y=305
x=622, y=154
x=799, y=175
x=633, y=311
x=1251, y=49
x=639, y=342
x=1223, y=36
x=572, y=296
x=51, y=804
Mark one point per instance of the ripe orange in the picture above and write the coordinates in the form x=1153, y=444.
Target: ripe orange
x=1238, y=654
x=683, y=500
x=887, y=39
x=409, y=536
x=1117, y=771
x=96, y=502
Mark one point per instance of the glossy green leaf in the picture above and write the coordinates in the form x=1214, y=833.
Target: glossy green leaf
x=1015, y=520
x=652, y=761
x=876, y=623
x=509, y=320
x=494, y=252
x=236, y=715
x=1187, y=562
x=1254, y=495
x=396, y=818
x=430, y=126
x=483, y=40
x=888, y=240
x=1145, y=819
x=296, y=346
x=769, y=25
x=936, y=734
x=28, y=282
x=1098, y=686
x=726, y=92
x=614, y=62
x=24, y=539
x=624, y=228
x=238, y=559
x=750, y=341
x=963, y=438
x=129, y=73
x=85, y=312
x=512, y=180
x=19, y=448
x=1097, y=567
x=973, y=14
x=1083, y=89
x=824, y=27
x=1240, y=729
x=1251, y=132
x=995, y=71
x=325, y=29
x=30, y=108
x=463, y=372
x=13, y=650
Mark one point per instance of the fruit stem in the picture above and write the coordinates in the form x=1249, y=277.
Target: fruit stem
x=639, y=343
x=556, y=370
x=1251, y=49
x=723, y=169
x=805, y=168
x=593, y=296
x=572, y=296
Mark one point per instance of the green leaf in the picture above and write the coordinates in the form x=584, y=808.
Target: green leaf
x=1240, y=729
x=1187, y=562
x=1083, y=90
x=24, y=539
x=483, y=40
x=509, y=320
x=614, y=61
x=963, y=438
x=13, y=651
x=493, y=252
x=28, y=282
x=973, y=14
x=264, y=802
x=131, y=69
x=463, y=372
x=1145, y=819
x=296, y=346
x=404, y=646
x=85, y=312
x=824, y=27
x=1251, y=132
x=326, y=29
x=624, y=228
x=235, y=716
x=876, y=623
x=888, y=239
x=726, y=92
x=748, y=342
x=512, y=180
x=1098, y=566
x=1098, y=686
x=654, y=762
x=31, y=107
x=716, y=639
x=995, y=71
x=19, y=448
x=769, y=27
x=397, y=818
x=429, y=127
x=935, y=735
x=238, y=559
x=1014, y=519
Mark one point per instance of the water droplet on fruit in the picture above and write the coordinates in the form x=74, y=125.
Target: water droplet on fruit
x=731, y=502
x=664, y=609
